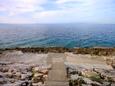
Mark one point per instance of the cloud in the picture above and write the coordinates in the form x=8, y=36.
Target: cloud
x=14, y=7
x=46, y=11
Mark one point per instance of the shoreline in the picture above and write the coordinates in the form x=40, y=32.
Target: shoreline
x=100, y=51
x=36, y=67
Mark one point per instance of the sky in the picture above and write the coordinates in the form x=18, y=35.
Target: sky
x=57, y=11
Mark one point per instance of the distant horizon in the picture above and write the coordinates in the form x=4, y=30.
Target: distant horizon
x=58, y=23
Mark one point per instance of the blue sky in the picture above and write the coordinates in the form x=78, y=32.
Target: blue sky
x=57, y=11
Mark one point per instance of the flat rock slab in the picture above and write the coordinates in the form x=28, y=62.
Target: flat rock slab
x=57, y=76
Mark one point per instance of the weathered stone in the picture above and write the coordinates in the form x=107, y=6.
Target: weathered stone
x=4, y=69
x=17, y=75
x=36, y=79
x=74, y=77
x=36, y=69
x=113, y=84
x=38, y=75
x=106, y=84
x=26, y=76
x=44, y=71
x=1, y=75
x=2, y=81
x=37, y=84
x=9, y=75
x=45, y=76
x=26, y=83
x=12, y=80
x=89, y=73
x=87, y=81
x=96, y=84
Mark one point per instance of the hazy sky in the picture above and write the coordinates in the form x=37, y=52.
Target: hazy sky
x=57, y=11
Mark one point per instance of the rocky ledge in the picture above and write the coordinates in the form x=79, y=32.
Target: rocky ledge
x=93, y=51
x=79, y=76
x=21, y=74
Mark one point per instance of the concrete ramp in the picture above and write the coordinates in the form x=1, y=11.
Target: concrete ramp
x=57, y=75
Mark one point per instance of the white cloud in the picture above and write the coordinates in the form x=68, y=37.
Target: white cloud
x=66, y=10
x=14, y=7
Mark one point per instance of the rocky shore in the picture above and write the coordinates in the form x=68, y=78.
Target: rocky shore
x=84, y=67
x=20, y=74
x=23, y=69
x=86, y=70
x=101, y=51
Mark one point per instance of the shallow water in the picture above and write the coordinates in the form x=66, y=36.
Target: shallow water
x=57, y=35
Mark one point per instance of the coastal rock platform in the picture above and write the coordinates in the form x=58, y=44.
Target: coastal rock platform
x=19, y=68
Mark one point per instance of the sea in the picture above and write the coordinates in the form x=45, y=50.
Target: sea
x=69, y=35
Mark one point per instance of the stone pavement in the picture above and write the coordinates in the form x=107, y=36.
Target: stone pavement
x=57, y=75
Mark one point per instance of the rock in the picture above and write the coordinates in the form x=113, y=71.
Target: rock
x=106, y=84
x=38, y=75
x=26, y=76
x=87, y=81
x=77, y=82
x=36, y=69
x=4, y=69
x=113, y=84
x=36, y=79
x=5, y=63
x=12, y=70
x=26, y=83
x=2, y=81
x=113, y=64
x=9, y=75
x=96, y=84
x=1, y=75
x=44, y=71
x=85, y=85
x=109, y=61
x=17, y=75
x=89, y=74
x=37, y=84
x=45, y=76
x=12, y=80
x=74, y=77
